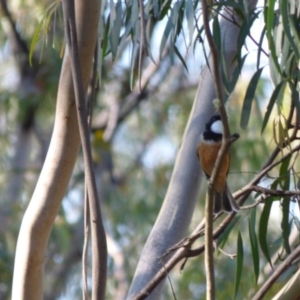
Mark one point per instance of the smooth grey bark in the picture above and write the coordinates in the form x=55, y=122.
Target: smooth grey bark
x=182, y=194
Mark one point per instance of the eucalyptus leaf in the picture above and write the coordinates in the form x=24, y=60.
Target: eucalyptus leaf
x=271, y=103
x=254, y=243
x=263, y=229
x=287, y=27
x=248, y=99
x=190, y=15
x=295, y=97
x=116, y=19
x=260, y=47
x=35, y=40
x=285, y=184
x=180, y=58
x=269, y=19
x=239, y=264
x=224, y=236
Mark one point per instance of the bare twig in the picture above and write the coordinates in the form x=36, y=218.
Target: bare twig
x=90, y=105
x=209, y=249
x=282, y=267
x=85, y=294
x=281, y=193
x=210, y=285
x=267, y=167
x=99, y=250
x=232, y=256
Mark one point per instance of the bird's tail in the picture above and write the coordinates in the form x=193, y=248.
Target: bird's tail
x=225, y=202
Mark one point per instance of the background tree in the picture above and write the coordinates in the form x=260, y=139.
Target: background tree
x=144, y=98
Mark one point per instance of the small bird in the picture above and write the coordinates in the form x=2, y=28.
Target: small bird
x=210, y=142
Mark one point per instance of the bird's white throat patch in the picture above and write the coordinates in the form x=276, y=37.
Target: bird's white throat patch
x=217, y=127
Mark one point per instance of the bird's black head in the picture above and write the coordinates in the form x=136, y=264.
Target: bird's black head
x=213, y=129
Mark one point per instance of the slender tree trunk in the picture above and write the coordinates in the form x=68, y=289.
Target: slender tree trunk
x=54, y=178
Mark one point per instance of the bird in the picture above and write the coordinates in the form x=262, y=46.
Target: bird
x=208, y=147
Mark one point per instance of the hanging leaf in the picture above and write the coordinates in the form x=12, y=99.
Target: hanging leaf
x=284, y=181
x=166, y=6
x=285, y=226
x=286, y=25
x=180, y=58
x=230, y=83
x=245, y=29
x=165, y=36
x=180, y=19
x=156, y=8
x=224, y=236
x=217, y=34
x=35, y=40
x=269, y=19
x=254, y=243
x=190, y=14
x=284, y=174
x=263, y=229
x=295, y=97
x=132, y=66
x=278, y=34
x=272, y=101
x=297, y=222
x=116, y=21
x=239, y=264
x=260, y=46
x=104, y=42
x=248, y=99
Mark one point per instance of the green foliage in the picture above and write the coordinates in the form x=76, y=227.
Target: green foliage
x=284, y=182
x=254, y=243
x=273, y=99
x=246, y=110
x=43, y=28
x=263, y=230
x=239, y=265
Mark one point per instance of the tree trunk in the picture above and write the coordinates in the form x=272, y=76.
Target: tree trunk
x=54, y=178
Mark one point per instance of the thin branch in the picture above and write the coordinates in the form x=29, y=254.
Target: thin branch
x=99, y=250
x=257, y=44
x=209, y=253
x=210, y=285
x=85, y=294
x=171, y=285
x=264, y=171
x=209, y=249
x=217, y=232
x=232, y=256
x=279, y=271
x=90, y=106
x=282, y=193
x=260, y=200
x=93, y=87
